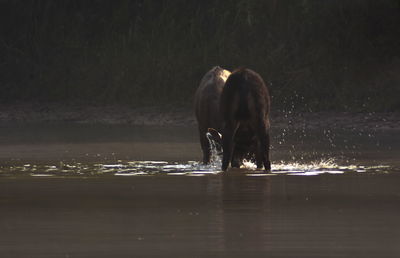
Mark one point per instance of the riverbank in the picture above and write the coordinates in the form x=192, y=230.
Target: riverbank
x=184, y=116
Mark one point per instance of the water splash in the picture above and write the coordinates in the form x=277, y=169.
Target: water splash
x=324, y=166
x=190, y=168
x=215, y=149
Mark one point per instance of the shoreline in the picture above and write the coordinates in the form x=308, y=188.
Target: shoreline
x=184, y=116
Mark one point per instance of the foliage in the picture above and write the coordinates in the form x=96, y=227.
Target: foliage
x=317, y=55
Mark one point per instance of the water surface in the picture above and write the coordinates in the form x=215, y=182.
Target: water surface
x=122, y=191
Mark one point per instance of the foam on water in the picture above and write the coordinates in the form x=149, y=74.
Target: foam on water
x=190, y=168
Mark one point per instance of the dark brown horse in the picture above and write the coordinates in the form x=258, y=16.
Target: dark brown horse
x=245, y=106
x=207, y=103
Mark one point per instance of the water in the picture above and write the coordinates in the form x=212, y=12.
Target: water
x=122, y=191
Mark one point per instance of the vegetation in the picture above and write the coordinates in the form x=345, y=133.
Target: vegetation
x=317, y=55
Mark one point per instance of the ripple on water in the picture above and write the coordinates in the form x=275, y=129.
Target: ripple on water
x=190, y=168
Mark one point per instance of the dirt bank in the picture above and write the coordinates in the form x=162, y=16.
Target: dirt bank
x=183, y=116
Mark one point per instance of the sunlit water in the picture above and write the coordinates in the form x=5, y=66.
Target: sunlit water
x=190, y=168
x=63, y=151
x=98, y=191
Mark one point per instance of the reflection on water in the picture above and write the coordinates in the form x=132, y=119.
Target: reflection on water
x=191, y=168
x=71, y=193
x=208, y=216
x=93, y=150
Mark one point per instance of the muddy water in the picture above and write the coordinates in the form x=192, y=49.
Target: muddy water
x=121, y=191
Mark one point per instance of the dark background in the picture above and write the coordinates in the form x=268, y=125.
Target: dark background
x=316, y=55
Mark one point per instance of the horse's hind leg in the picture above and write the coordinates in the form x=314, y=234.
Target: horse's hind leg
x=205, y=146
x=262, y=154
x=228, y=144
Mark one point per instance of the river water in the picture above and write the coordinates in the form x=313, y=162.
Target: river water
x=71, y=190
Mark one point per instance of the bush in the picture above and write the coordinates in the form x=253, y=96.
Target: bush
x=317, y=55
